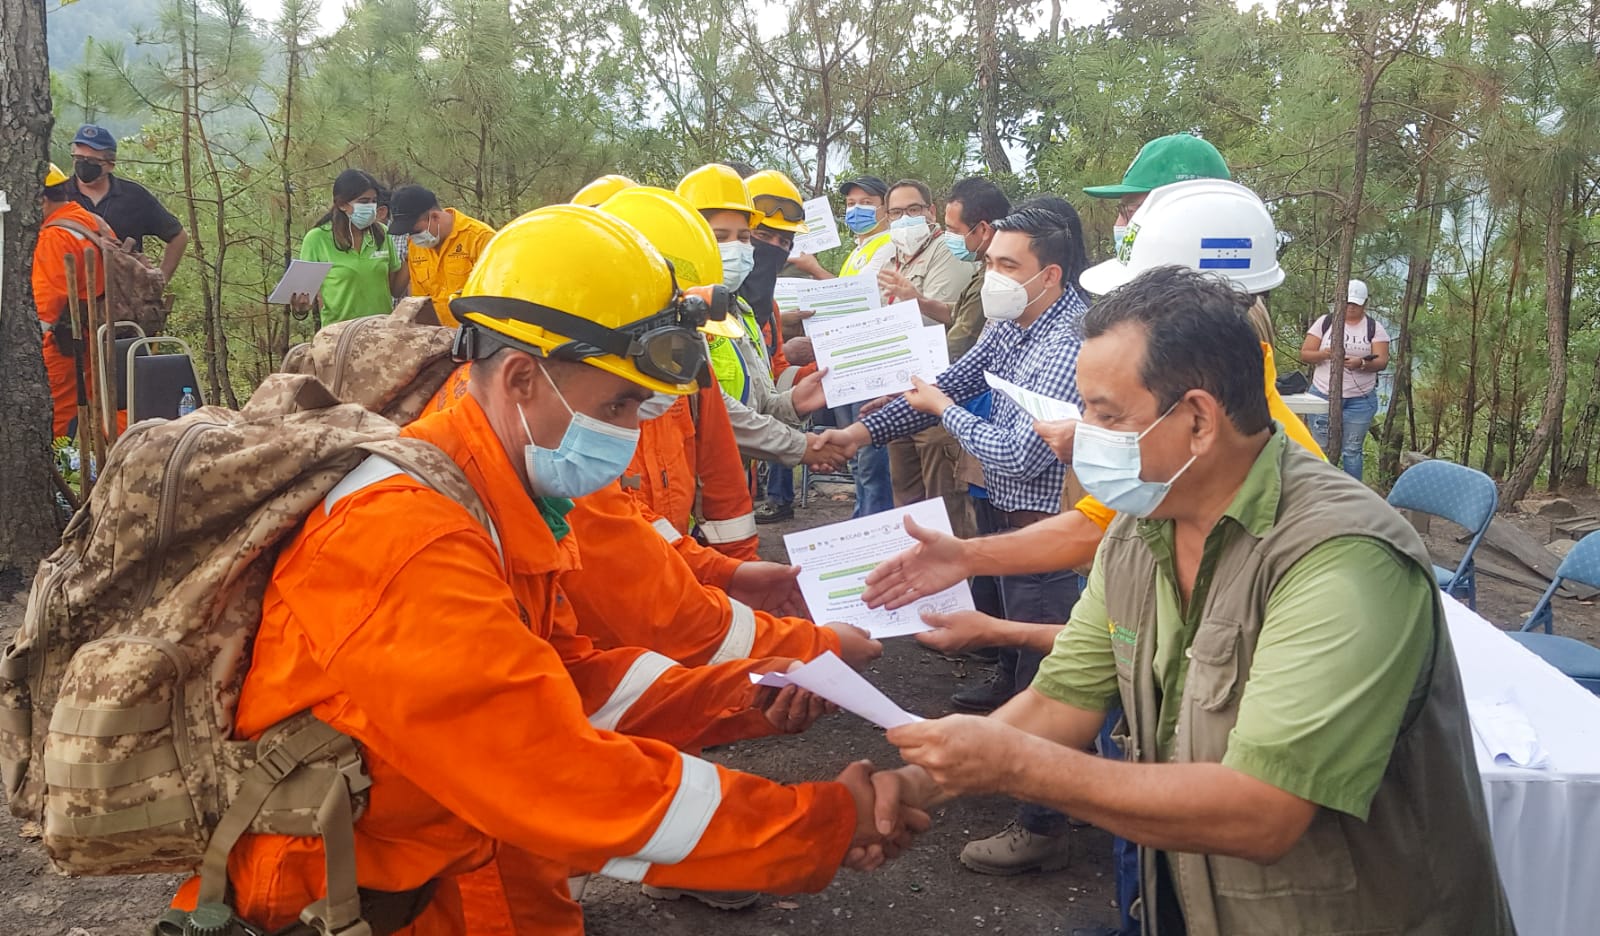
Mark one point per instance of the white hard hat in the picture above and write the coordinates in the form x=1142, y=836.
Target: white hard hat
x=1358, y=292
x=1204, y=224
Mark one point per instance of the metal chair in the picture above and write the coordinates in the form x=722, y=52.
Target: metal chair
x=111, y=362
x=1456, y=493
x=1574, y=658
x=156, y=381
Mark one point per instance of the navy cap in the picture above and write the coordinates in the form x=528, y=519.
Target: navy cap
x=407, y=204
x=95, y=138
x=872, y=185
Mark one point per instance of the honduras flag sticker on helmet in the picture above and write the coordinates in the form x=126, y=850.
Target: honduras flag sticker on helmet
x=1225, y=253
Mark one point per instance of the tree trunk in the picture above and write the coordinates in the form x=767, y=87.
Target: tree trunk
x=1419, y=271
x=292, y=22
x=994, y=152
x=29, y=520
x=1555, y=396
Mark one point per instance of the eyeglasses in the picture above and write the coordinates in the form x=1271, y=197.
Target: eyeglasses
x=776, y=206
x=896, y=214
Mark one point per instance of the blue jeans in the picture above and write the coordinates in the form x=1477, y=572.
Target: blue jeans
x=1042, y=598
x=869, y=468
x=1358, y=414
x=1124, y=854
x=780, y=484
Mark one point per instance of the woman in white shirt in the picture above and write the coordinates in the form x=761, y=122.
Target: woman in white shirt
x=1366, y=354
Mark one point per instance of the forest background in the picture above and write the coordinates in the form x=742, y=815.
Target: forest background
x=1445, y=153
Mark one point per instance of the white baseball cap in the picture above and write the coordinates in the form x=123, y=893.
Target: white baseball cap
x=1211, y=225
x=1358, y=292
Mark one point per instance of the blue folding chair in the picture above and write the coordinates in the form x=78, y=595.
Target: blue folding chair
x=1574, y=658
x=1459, y=494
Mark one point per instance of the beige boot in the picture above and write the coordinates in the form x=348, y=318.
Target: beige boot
x=1015, y=850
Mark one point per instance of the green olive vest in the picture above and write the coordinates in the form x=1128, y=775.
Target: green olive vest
x=1423, y=862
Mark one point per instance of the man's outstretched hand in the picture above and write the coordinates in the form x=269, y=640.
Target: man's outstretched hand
x=1058, y=434
x=960, y=630
x=937, y=562
x=768, y=586
x=856, y=647
x=965, y=754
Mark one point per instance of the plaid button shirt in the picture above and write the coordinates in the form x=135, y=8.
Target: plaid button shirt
x=1019, y=469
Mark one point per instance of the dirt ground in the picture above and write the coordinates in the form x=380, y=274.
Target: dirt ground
x=927, y=891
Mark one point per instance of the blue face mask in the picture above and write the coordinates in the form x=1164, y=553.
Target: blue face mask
x=362, y=214
x=1108, y=463
x=592, y=454
x=958, y=247
x=861, y=218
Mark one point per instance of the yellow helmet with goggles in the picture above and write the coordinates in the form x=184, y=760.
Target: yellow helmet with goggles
x=778, y=200
x=577, y=284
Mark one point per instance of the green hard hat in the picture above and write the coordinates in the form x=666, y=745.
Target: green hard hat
x=1176, y=158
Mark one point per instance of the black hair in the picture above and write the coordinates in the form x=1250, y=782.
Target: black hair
x=1197, y=337
x=1060, y=206
x=56, y=193
x=980, y=201
x=921, y=187
x=1055, y=235
x=348, y=186
x=744, y=169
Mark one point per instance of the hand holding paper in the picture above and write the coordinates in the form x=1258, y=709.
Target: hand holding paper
x=830, y=678
x=304, y=277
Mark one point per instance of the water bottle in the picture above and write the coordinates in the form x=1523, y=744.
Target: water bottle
x=187, y=403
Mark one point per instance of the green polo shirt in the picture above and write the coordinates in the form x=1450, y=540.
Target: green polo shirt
x=1340, y=654
x=358, y=284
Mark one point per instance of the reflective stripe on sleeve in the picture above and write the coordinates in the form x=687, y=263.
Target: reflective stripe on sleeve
x=687, y=818
x=644, y=672
x=666, y=529
x=741, y=634
x=729, y=531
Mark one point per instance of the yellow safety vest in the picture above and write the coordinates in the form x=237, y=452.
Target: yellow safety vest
x=731, y=367
x=862, y=256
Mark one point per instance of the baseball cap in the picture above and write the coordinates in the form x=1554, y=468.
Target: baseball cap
x=872, y=185
x=407, y=204
x=1358, y=292
x=94, y=137
x=1176, y=158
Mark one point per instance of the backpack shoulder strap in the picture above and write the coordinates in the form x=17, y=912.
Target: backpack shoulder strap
x=427, y=465
x=1324, y=323
x=67, y=224
x=1372, y=329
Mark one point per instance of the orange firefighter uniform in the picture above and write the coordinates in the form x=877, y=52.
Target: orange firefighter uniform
x=50, y=297
x=485, y=718
x=687, y=466
x=661, y=605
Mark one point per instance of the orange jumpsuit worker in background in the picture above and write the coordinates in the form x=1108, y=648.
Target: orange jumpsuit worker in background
x=485, y=720
x=687, y=468
x=50, y=289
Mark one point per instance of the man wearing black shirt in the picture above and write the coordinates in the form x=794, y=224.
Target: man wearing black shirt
x=127, y=206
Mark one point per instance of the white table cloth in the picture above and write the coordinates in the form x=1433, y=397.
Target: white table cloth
x=1545, y=823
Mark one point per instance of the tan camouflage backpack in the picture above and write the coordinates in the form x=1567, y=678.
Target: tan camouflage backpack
x=391, y=364
x=117, y=697
x=135, y=289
